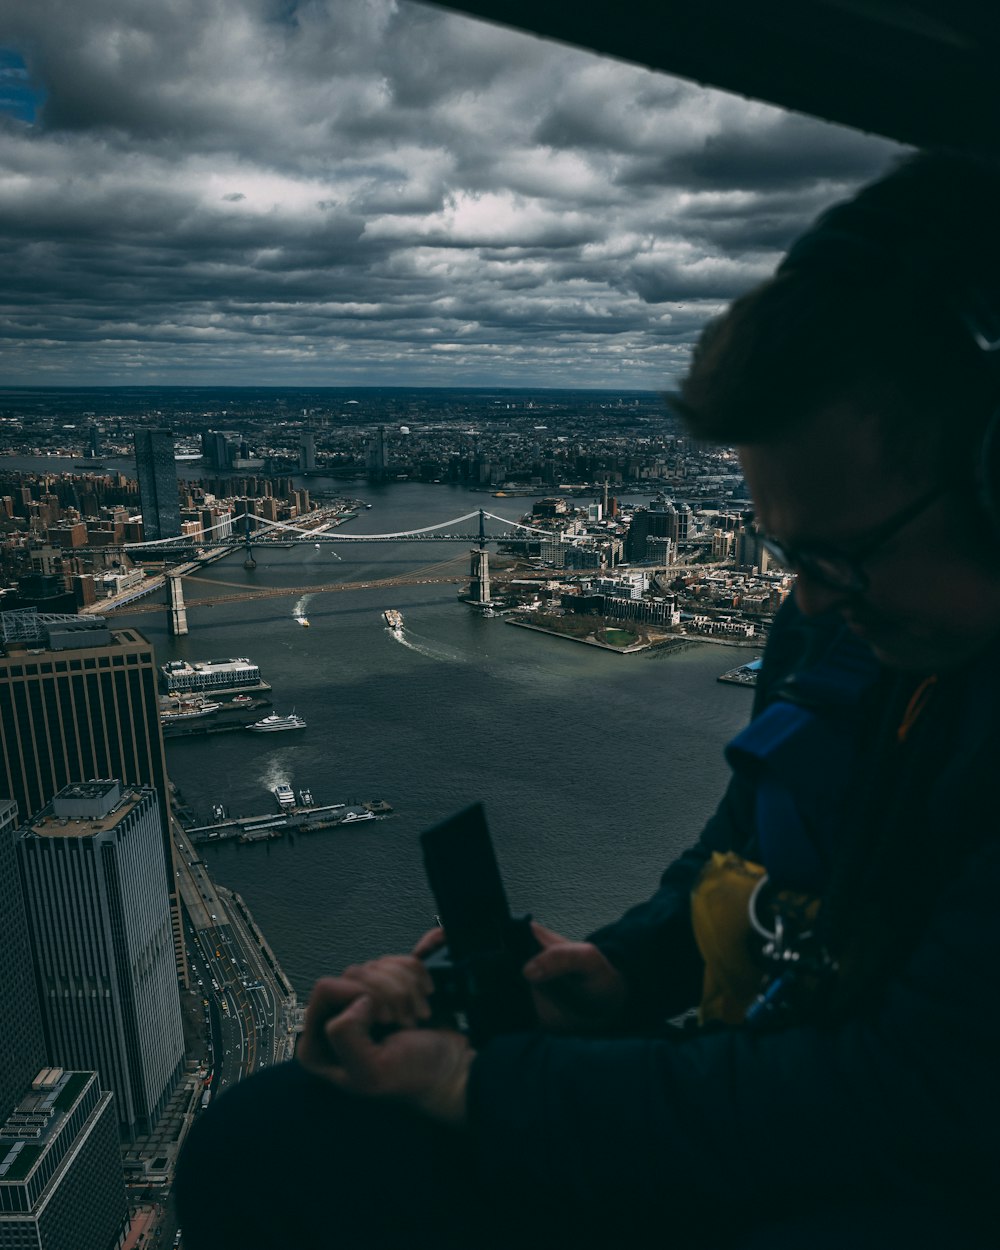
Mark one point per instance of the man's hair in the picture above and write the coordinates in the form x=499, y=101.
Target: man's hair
x=870, y=309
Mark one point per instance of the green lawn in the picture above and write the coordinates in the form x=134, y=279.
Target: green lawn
x=617, y=637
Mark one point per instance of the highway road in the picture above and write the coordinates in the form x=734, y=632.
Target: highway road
x=250, y=1009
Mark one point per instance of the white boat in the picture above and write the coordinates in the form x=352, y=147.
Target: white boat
x=306, y=798
x=350, y=817
x=303, y=620
x=284, y=794
x=316, y=545
x=188, y=710
x=394, y=620
x=274, y=723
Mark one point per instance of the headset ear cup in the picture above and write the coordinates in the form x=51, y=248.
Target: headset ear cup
x=988, y=472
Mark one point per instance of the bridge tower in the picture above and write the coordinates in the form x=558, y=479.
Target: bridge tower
x=249, y=562
x=479, y=591
x=178, y=612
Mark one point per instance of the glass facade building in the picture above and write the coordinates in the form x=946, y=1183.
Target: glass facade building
x=156, y=471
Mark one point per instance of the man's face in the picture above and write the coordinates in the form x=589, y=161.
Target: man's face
x=932, y=599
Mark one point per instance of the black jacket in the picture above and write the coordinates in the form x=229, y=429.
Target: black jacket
x=896, y=1093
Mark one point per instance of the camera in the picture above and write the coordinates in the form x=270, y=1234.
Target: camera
x=478, y=984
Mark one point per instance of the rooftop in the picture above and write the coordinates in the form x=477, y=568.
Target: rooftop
x=27, y=1131
x=53, y=823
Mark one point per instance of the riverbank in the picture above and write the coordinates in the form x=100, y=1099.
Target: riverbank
x=588, y=641
x=668, y=642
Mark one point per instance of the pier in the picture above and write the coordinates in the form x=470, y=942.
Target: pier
x=745, y=675
x=299, y=819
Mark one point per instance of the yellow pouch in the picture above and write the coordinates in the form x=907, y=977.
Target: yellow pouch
x=721, y=923
x=735, y=970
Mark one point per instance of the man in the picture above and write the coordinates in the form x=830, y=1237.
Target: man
x=836, y=923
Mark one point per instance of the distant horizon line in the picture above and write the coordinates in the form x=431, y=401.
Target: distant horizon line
x=223, y=386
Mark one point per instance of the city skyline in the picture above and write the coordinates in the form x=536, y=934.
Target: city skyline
x=358, y=193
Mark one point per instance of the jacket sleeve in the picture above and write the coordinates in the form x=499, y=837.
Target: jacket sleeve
x=904, y=1099
x=652, y=944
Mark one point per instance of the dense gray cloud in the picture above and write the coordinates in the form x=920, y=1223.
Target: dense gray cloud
x=366, y=191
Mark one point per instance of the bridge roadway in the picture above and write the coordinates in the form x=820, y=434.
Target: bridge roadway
x=278, y=593
x=432, y=574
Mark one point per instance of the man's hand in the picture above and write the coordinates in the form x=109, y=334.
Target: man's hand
x=575, y=988
x=398, y=985
x=423, y=1068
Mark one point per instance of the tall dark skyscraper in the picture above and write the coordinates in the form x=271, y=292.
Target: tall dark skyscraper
x=95, y=892
x=22, y=1045
x=79, y=701
x=61, y=1180
x=156, y=470
x=377, y=456
x=649, y=533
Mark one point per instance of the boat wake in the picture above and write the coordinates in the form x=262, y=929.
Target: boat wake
x=276, y=772
x=300, y=606
x=431, y=652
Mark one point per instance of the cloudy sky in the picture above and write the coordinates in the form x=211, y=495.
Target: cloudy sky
x=373, y=192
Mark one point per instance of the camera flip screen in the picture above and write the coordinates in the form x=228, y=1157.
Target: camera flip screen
x=465, y=880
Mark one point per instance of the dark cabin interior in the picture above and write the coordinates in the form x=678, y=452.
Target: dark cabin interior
x=923, y=73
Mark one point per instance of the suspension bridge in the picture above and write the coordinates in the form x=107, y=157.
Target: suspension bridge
x=258, y=532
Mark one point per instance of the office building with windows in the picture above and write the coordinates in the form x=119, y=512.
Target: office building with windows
x=95, y=893
x=156, y=471
x=79, y=700
x=61, y=1180
x=22, y=1042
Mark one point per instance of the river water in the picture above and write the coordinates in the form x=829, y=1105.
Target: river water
x=595, y=768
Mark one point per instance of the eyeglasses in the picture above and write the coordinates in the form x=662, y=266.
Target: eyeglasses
x=841, y=570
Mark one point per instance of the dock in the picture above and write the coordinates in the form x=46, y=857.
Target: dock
x=227, y=718
x=745, y=675
x=265, y=828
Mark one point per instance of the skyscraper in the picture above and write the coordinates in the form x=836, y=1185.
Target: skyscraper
x=61, y=1181
x=307, y=453
x=378, y=456
x=79, y=700
x=156, y=470
x=22, y=1044
x=96, y=899
x=650, y=534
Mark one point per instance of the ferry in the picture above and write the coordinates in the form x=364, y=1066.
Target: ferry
x=274, y=723
x=284, y=794
x=303, y=620
x=394, y=620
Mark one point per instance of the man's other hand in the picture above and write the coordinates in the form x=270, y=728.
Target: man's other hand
x=575, y=988
x=343, y=1043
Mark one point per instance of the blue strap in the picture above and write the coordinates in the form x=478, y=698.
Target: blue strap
x=800, y=756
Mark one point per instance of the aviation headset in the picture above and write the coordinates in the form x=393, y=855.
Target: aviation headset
x=873, y=242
